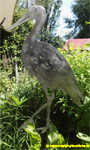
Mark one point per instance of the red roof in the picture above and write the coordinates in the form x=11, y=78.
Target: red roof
x=76, y=42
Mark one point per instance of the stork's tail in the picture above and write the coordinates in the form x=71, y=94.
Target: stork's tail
x=78, y=97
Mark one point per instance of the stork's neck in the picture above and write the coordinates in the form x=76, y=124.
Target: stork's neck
x=37, y=27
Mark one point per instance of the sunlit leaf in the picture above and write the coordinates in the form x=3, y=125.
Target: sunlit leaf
x=54, y=137
x=83, y=137
x=35, y=139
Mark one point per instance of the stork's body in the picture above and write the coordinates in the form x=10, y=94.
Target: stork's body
x=50, y=68
x=46, y=63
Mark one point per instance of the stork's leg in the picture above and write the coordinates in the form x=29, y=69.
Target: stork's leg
x=32, y=117
x=49, y=102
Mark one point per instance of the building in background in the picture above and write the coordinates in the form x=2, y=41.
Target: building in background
x=77, y=42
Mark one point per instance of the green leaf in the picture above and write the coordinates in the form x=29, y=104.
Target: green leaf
x=83, y=137
x=54, y=137
x=87, y=44
x=87, y=99
x=87, y=22
x=9, y=103
x=35, y=139
x=2, y=106
x=15, y=100
x=22, y=101
x=7, y=110
x=4, y=143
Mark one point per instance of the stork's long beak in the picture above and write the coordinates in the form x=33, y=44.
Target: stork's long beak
x=22, y=20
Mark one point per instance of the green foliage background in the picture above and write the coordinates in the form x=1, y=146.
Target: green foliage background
x=81, y=15
x=19, y=101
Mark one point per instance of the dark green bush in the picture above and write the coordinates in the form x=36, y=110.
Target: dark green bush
x=19, y=101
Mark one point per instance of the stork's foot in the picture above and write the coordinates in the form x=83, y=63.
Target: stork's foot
x=43, y=129
x=31, y=118
x=23, y=126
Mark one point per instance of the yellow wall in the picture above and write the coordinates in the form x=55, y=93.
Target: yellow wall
x=7, y=8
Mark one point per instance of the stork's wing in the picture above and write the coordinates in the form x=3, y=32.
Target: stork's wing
x=56, y=69
x=53, y=65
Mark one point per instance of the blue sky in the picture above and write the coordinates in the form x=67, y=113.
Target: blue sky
x=66, y=12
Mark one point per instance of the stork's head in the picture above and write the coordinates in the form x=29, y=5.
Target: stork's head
x=34, y=12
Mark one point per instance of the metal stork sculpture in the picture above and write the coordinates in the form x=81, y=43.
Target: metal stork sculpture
x=46, y=63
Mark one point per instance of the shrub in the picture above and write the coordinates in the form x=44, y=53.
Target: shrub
x=19, y=101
